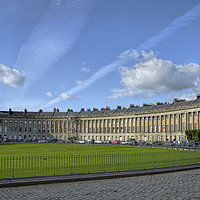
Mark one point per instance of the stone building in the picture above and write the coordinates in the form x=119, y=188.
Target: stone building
x=161, y=122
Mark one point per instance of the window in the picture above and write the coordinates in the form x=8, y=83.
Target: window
x=176, y=127
x=195, y=125
x=172, y=128
x=163, y=128
x=183, y=126
x=183, y=115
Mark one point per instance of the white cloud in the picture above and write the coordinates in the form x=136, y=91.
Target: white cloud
x=131, y=53
x=85, y=69
x=49, y=94
x=188, y=97
x=11, y=77
x=66, y=96
x=156, y=76
x=79, y=82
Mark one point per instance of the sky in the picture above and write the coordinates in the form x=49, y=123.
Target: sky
x=96, y=53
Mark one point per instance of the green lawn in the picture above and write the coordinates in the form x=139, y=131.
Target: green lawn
x=69, y=149
x=22, y=160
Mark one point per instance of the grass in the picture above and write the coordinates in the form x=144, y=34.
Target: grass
x=22, y=160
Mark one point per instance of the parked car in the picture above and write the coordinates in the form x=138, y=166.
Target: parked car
x=106, y=142
x=123, y=142
x=81, y=142
x=69, y=142
x=59, y=142
x=133, y=142
x=156, y=143
x=115, y=142
x=97, y=142
x=145, y=143
x=41, y=141
x=197, y=143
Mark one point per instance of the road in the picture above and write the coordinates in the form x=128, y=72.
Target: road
x=183, y=185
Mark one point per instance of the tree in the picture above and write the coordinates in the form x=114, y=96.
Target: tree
x=193, y=134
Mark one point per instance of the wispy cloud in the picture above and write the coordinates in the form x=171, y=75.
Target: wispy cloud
x=85, y=69
x=53, y=36
x=172, y=28
x=11, y=77
x=79, y=82
x=66, y=96
x=49, y=94
x=125, y=56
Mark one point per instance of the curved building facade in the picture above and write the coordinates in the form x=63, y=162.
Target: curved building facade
x=161, y=122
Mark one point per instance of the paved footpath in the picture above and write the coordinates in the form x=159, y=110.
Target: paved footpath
x=184, y=185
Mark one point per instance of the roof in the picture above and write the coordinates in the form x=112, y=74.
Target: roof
x=70, y=113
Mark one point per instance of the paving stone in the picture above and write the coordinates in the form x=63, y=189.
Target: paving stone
x=184, y=185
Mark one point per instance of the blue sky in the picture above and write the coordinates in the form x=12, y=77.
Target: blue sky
x=96, y=53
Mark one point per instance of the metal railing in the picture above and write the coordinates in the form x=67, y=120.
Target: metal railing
x=29, y=166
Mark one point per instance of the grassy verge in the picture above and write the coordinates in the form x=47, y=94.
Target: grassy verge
x=22, y=160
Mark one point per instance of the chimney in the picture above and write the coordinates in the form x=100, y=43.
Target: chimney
x=25, y=112
x=198, y=96
x=57, y=110
x=107, y=108
x=95, y=109
x=82, y=109
x=40, y=111
x=159, y=103
x=118, y=107
x=132, y=106
x=10, y=111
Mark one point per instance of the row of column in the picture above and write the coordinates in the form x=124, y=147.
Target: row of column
x=159, y=123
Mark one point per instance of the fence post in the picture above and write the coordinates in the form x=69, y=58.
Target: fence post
x=13, y=172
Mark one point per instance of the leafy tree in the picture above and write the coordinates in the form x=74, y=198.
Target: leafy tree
x=193, y=134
